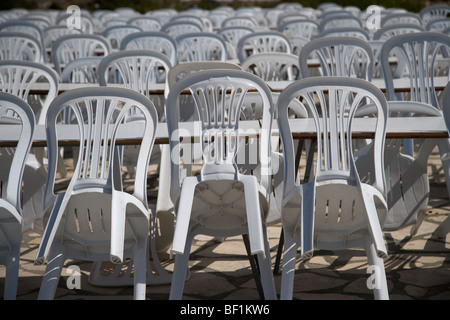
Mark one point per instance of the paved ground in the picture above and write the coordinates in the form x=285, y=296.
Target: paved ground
x=417, y=267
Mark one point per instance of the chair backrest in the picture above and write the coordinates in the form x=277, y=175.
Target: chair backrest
x=201, y=46
x=345, y=32
x=300, y=27
x=81, y=70
x=332, y=103
x=159, y=41
x=338, y=21
x=99, y=113
x=438, y=24
x=401, y=18
x=178, y=28
x=136, y=69
x=23, y=26
x=239, y=21
x=11, y=189
x=393, y=30
x=52, y=33
x=417, y=55
x=190, y=18
x=20, y=46
x=262, y=42
x=273, y=66
x=145, y=23
x=219, y=96
x=75, y=46
x=433, y=12
x=115, y=34
x=233, y=34
x=339, y=56
x=18, y=77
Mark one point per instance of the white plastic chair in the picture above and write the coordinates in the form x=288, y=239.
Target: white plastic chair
x=273, y=66
x=417, y=55
x=20, y=46
x=94, y=219
x=334, y=210
x=17, y=78
x=444, y=228
x=201, y=46
x=24, y=27
x=339, y=56
x=262, y=42
x=220, y=201
x=11, y=191
x=158, y=41
x=75, y=46
x=233, y=34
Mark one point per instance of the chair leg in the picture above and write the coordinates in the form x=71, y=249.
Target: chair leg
x=140, y=270
x=179, y=271
x=51, y=275
x=265, y=267
x=288, y=269
x=254, y=266
x=12, y=274
x=276, y=267
x=380, y=289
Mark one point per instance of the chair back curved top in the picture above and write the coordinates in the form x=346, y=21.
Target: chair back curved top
x=115, y=34
x=11, y=219
x=345, y=32
x=25, y=27
x=300, y=27
x=273, y=66
x=401, y=18
x=233, y=34
x=145, y=23
x=178, y=28
x=71, y=47
x=339, y=56
x=20, y=46
x=81, y=70
x=392, y=30
x=261, y=42
x=239, y=21
x=152, y=40
x=433, y=12
x=336, y=21
x=52, y=33
x=201, y=46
